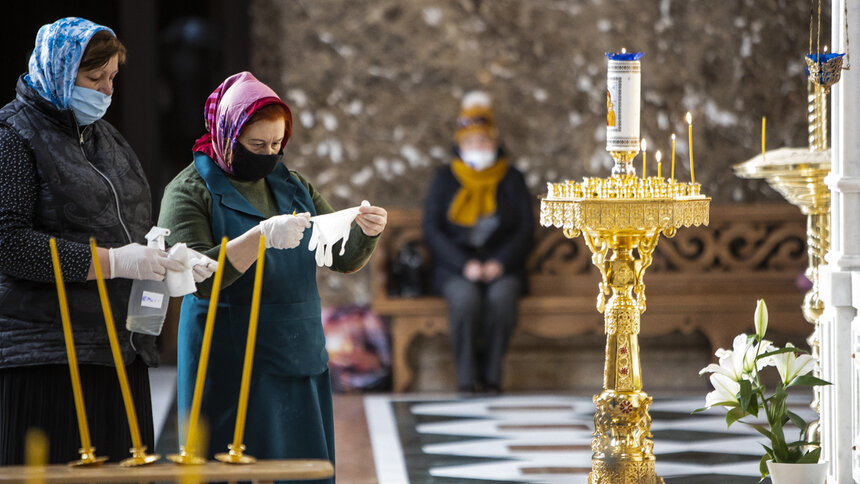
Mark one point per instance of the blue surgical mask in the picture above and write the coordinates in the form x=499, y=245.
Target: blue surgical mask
x=89, y=105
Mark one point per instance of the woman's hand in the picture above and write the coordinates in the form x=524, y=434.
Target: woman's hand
x=372, y=220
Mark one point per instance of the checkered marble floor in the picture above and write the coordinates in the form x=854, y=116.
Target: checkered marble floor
x=546, y=439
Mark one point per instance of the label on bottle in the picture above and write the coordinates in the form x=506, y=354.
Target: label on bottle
x=151, y=299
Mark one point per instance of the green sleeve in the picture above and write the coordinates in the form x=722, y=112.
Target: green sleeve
x=186, y=209
x=359, y=247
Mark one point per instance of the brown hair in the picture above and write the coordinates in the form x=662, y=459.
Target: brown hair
x=273, y=112
x=100, y=49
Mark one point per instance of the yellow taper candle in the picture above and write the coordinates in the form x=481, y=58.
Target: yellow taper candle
x=659, y=156
x=138, y=450
x=763, y=123
x=644, y=145
x=70, y=349
x=673, y=157
x=235, y=455
x=188, y=452
x=690, y=131
x=35, y=454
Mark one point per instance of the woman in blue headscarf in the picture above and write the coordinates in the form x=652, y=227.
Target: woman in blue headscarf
x=68, y=174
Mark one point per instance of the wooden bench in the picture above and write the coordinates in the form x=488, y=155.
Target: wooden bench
x=705, y=279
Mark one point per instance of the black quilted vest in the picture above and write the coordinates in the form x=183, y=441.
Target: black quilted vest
x=91, y=184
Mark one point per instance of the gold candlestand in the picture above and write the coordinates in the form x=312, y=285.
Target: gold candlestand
x=798, y=175
x=621, y=219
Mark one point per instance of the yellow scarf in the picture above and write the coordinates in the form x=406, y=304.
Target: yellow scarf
x=477, y=195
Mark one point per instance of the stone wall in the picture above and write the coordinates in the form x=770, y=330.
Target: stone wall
x=375, y=87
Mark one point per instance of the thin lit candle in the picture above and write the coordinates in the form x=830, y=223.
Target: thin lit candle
x=673, y=157
x=242, y=411
x=78, y=394
x=196, y=401
x=763, y=124
x=659, y=157
x=114, y=347
x=690, y=131
x=644, y=146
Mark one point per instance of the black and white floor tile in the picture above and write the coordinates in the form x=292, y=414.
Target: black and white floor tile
x=546, y=439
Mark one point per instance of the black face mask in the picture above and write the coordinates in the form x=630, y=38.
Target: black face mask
x=250, y=166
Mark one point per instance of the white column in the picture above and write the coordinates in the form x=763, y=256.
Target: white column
x=840, y=277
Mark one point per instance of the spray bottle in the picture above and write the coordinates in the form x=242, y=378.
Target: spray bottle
x=147, y=305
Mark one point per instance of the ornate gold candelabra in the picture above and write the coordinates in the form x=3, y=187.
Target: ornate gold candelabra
x=621, y=219
x=798, y=175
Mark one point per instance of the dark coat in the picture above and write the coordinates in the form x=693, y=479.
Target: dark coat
x=91, y=184
x=509, y=243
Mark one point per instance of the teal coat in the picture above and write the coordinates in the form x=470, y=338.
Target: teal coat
x=289, y=407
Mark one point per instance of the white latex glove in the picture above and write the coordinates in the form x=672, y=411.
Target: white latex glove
x=135, y=261
x=203, y=267
x=284, y=231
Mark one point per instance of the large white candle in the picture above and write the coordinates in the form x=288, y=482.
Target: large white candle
x=623, y=99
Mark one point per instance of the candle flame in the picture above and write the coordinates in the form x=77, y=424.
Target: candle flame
x=689, y=118
x=624, y=51
x=825, y=49
x=673, y=136
x=659, y=156
x=644, y=145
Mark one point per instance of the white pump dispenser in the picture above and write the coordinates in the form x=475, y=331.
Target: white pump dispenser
x=147, y=305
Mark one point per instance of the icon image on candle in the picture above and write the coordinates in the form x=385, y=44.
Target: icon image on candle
x=610, y=112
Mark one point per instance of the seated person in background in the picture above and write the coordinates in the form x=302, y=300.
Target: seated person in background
x=479, y=224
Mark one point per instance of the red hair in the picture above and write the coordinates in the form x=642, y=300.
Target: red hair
x=273, y=112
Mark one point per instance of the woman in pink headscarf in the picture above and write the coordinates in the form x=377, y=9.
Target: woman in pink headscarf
x=239, y=186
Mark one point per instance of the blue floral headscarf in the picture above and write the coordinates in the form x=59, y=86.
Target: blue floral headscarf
x=56, y=57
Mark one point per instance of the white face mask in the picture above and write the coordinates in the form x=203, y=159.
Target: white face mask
x=479, y=160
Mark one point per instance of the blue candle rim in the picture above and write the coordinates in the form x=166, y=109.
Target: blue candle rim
x=624, y=56
x=824, y=58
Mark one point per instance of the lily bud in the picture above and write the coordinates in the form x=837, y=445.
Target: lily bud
x=760, y=318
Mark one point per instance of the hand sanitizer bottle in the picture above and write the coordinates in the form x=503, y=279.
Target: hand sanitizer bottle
x=147, y=305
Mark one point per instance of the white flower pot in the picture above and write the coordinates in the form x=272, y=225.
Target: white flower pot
x=797, y=473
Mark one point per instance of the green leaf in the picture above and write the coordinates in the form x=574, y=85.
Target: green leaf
x=762, y=467
x=746, y=394
x=734, y=415
x=797, y=420
x=761, y=429
x=810, y=457
x=776, y=410
x=807, y=380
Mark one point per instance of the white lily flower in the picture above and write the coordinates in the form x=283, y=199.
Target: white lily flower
x=790, y=366
x=737, y=363
x=725, y=390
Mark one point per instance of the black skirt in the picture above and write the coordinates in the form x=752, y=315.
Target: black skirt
x=41, y=396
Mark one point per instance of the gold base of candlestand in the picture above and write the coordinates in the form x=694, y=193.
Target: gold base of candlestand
x=88, y=458
x=621, y=219
x=623, y=449
x=185, y=458
x=235, y=456
x=139, y=457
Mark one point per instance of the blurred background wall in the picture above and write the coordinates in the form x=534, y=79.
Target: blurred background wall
x=375, y=86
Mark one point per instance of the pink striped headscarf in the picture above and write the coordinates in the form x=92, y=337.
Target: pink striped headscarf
x=227, y=110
